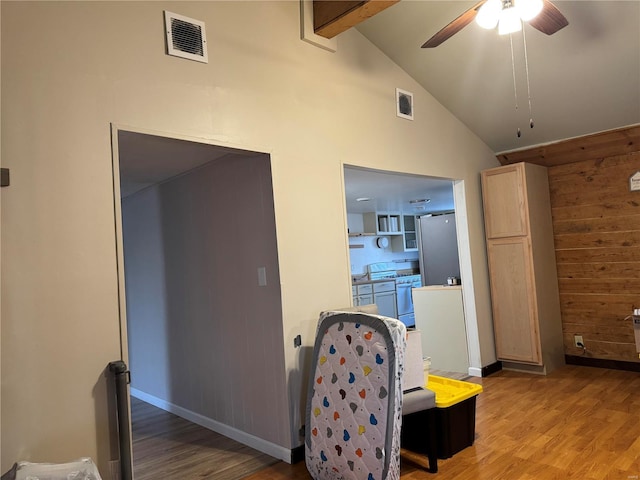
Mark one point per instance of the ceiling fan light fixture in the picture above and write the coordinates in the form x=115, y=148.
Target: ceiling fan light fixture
x=509, y=21
x=528, y=9
x=489, y=14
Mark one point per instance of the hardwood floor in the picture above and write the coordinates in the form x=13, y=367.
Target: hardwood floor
x=576, y=423
x=168, y=447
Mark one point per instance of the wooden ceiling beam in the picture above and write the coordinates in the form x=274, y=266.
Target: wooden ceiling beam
x=331, y=17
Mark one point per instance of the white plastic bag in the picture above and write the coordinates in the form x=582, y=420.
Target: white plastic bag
x=81, y=469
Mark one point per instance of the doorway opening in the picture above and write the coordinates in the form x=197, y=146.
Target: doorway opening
x=413, y=228
x=199, y=285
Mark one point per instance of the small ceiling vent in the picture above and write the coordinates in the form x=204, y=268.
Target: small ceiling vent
x=186, y=37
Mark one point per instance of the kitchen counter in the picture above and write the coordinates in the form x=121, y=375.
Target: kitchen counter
x=365, y=281
x=440, y=287
x=362, y=278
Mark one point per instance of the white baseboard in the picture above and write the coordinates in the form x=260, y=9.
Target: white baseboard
x=475, y=372
x=245, y=438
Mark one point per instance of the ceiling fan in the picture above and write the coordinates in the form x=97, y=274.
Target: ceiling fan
x=508, y=15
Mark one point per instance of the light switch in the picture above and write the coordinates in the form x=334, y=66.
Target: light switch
x=262, y=277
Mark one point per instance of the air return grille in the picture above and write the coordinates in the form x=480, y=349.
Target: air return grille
x=186, y=37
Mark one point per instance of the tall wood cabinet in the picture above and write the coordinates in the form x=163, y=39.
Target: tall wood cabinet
x=522, y=267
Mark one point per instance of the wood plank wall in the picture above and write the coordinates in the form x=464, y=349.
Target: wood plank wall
x=596, y=223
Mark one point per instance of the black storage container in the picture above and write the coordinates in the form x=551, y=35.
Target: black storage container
x=455, y=427
x=454, y=418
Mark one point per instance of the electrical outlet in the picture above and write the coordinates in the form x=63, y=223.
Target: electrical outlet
x=577, y=341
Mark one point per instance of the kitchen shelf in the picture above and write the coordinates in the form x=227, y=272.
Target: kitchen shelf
x=383, y=223
x=362, y=234
x=408, y=242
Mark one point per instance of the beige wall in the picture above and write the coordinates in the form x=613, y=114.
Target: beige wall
x=69, y=69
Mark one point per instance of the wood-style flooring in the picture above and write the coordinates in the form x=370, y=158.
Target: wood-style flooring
x=168, y=447
x=576, y=423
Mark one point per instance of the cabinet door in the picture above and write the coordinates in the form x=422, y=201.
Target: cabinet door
x=503, y=195
x=366, y=299
x=386, y=303
x=513, y=300
x=408, y=242
x=409, y=235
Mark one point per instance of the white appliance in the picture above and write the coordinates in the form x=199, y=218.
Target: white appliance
x=381, y=270
x=404, y=288
x=403, y=285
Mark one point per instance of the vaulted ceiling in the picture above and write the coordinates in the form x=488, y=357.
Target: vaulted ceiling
x=583, y=79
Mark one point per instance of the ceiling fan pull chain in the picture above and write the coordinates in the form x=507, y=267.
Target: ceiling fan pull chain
x=513, y=70
x=526, y=66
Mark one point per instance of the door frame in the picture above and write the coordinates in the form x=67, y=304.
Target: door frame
x=464, y=253
x=253, y=442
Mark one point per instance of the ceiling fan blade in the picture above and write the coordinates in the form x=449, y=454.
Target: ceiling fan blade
x=549, y=20
x=454, y=27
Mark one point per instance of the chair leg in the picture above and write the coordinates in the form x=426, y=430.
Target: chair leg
x=433, y=463
x=432, y=441
x=419, y=435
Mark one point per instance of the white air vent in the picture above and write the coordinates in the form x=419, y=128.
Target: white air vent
x=186, y=37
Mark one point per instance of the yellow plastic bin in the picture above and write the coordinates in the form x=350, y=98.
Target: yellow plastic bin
x=455, y=413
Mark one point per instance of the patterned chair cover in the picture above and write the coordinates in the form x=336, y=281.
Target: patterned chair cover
x=354, y=406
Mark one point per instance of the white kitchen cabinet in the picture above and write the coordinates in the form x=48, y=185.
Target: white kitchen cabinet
x=362, y=294
x=382, y=223
x=384, y=296
x=408, y=241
